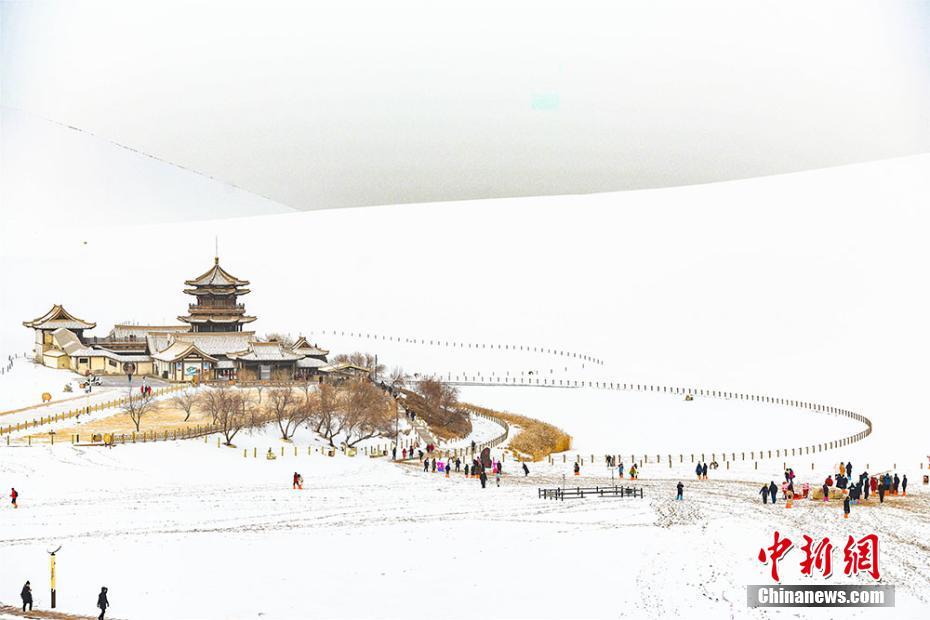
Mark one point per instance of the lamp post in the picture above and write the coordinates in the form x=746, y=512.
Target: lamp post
x=51, y=559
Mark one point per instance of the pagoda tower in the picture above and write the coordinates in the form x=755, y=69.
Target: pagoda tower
x=217, y=308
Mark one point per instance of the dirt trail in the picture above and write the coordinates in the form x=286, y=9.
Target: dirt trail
x=37, y=613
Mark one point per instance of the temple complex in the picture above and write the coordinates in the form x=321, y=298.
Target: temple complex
x=209, y=344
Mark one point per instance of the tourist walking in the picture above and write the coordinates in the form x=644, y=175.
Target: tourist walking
x=620, y=470
x=26, y=595
x=704, y=471
x=577, y=468
x=526, y=470
x=102, y=603
x=765, y=493
x=681, y=491
x=904, y=485
x=484, y=479
x=826, y=493
x=881, y=493
x=773, y=491
x=698, y=470
x=14, y=494
x=846, y=507
x=426, y=465
x=895, y=484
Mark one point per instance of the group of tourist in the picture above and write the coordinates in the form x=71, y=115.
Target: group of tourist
x=853, y=492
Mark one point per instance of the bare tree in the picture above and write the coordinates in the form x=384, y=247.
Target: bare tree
x=397, y=378
x=438, y=395
x=365, y=412
x=214, y=400
x=137, y=406
x=323, y=412
x=186, y=400
x=288, y=410
x=233, y=416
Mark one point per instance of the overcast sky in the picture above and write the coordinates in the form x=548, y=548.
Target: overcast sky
x=359, y=102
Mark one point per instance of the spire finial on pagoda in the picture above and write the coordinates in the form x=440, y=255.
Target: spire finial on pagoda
x=216, y=250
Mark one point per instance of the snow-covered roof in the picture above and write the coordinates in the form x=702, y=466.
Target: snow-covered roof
x=158, y=341
x=181, y=350
x=343, y=366
x=266, y=352
x=310, y=362
x=67, y=341
x=217, y=343
x=58, y=317
x=54, y=353
x=120, y=357
x=212, y=318
x=216, y=276
x=124, y=331
x=303, y=347
x=226, y=364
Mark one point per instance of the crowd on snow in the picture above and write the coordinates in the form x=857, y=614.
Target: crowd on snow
x=852, y=489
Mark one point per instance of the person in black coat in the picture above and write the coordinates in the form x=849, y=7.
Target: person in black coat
x=26, y=595
x=773, y=491
x=526, y=470
x=484, y=479
x=697, y=471
x=846, y=507
x=425, y=464
x=704, y=471
x=765, y=493
x=849, y=471
x=681, y=491
x=865, y=486
x=826, y=492
x=904, y=485
x=895, y=484
x=102, y=602
x=881, y=492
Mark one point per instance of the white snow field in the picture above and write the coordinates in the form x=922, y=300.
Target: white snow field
x=190, y=530
x=803, y=286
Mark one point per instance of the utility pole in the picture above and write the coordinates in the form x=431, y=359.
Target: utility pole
x=51, y=558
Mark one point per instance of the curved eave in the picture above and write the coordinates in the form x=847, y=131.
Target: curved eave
x=235, y=319
x=211, y=290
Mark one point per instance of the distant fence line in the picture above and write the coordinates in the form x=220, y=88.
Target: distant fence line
x=496, y=441
x=703, y=392
x=8, y=365
x=452, y=344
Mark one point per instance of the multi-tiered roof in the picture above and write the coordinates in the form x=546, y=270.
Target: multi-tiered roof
x=217, y=308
